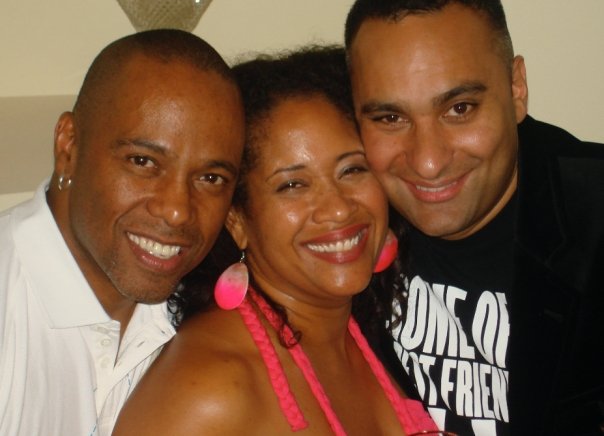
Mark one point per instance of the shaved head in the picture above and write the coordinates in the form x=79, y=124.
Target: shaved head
x=163, y=45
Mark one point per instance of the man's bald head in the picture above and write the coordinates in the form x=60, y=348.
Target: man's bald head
x=163, y=45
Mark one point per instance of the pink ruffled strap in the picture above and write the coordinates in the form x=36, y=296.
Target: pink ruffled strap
x=287, y=402
x=410, y=413
x=302, y=362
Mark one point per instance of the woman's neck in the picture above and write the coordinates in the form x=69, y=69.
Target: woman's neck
x=322, y=322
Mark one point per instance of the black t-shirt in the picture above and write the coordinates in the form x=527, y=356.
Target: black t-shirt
x=454, y=340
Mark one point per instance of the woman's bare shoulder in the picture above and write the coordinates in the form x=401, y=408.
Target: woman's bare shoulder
x=206, y=381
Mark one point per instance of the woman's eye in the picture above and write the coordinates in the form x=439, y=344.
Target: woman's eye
x=354, y=170
x=289, y=185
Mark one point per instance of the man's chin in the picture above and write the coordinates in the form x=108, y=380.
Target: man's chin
x=150, y=297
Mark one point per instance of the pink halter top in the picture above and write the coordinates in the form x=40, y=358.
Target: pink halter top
x=411, y=414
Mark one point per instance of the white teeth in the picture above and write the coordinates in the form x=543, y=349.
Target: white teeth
x=155, y=248
x=336, y=247
x=439, y=189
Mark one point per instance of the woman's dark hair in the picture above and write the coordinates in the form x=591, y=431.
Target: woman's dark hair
x=265, y=82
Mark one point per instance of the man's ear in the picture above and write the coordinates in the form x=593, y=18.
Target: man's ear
x=519, y=88
x=65, y=149
x=235, y=224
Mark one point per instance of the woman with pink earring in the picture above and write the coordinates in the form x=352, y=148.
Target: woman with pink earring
x=279, y=351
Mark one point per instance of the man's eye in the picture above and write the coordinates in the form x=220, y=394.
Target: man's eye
x=214, y=179
x=388, y=119
x=142, y=161
x=460, y=109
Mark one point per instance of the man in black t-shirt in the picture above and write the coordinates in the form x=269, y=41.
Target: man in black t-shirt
x=455, y=338
x=503, y=330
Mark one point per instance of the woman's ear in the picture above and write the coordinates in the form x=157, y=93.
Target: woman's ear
x=235, y=224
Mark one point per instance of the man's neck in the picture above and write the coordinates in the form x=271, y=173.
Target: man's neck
x=120, y=311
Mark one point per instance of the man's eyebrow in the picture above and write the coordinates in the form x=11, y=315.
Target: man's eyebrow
x=376, y=106
x=464, y=88
x=151, y=146
x=159, y=149
x=228, y=166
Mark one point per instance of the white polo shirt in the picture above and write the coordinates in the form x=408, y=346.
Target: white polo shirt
x=60, y=369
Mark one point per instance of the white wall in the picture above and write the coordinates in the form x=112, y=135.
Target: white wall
x=563, y=45
x=46, y=47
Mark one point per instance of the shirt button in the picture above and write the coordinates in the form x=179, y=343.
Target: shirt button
x=106, y=342
x=105, y=362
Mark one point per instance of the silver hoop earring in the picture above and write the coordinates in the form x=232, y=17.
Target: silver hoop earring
x=64, y=182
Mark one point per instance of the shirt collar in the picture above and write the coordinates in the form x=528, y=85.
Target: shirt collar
x=56, y=278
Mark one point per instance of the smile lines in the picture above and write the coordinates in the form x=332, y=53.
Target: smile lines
x=336, y=247
x=154, y=248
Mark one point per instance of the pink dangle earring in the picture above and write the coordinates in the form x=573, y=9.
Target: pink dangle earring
x=388, y=253
x=231, y=287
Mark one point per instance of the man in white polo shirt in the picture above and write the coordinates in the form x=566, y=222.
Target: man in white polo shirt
x=145, y=167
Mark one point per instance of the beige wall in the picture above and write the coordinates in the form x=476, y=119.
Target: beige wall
x=46, y=47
